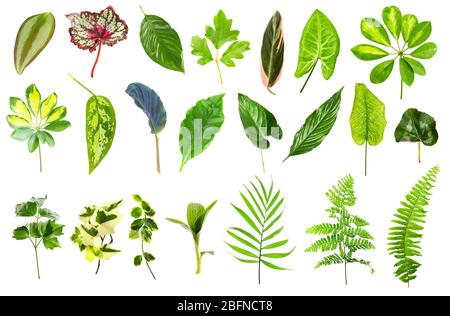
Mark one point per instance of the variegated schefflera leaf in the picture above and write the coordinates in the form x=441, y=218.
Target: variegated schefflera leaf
x=91, y=30
x=33, y=121
x=417, y=127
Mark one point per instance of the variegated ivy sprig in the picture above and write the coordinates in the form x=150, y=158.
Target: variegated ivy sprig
x=34, y=120
x=91, y=30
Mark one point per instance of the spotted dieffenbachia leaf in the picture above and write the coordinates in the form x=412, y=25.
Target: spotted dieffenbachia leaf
x=91, y=30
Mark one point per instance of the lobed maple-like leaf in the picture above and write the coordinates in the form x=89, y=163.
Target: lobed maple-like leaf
x=91, y=30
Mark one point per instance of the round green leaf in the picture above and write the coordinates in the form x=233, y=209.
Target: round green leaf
x=392, y=18
x=369, y=52
x=374, y=31
x=136, y=212
x=21, y=233
x=420, y=34
x=416, y=66
x=416, y=126
x=409, y=22
x=406, y=72
x=426, y=51
x=382, y=71
x=138, y=261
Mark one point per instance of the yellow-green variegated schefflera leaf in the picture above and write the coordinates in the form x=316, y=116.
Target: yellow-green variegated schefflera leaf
x=368, y=119
x=32, y=38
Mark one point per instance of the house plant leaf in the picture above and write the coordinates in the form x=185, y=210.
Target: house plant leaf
x=409, y=22
x=392, y=18
x=32, y=38
x=261, y=215
x=219, y=35
x=382, y=71
x=272, y=52
x=316, y=127
x=161, y=42
x=417, y=127
x=150, y=103
x=320, y=41
x=368, y=119
x=32, y=122
x=200, y=126
x=405, y=236
x=369, y=52
x=196, y=217
x=90, y=30
x=100, y=127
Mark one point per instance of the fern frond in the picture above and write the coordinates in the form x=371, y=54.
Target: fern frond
x=330, y=260
x=405, y=237
x=324, y=229
x=325, y=244
x=343, y=194
x=261, y=213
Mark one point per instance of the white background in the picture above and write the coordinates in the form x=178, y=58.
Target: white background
x=231, y=160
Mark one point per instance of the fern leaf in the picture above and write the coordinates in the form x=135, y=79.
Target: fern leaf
x=323, y=229
x=329, y=243
x=330, y=260
x=261, y=214
x=405, y=238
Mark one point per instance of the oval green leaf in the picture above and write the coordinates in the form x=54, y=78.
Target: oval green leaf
x=416, y=126
x=426, y=51
x=406, y=72
x=382, y=71
x=317, y=126
x=162, y=43
x=416, y=66
x=369, y=52
x=272, y=51
x=392, y=17
x=258, y=122
x=200, y=126
x=374, y=31
x=409, y=22
x=33, y=36
x=420, y=34
x=20, y=108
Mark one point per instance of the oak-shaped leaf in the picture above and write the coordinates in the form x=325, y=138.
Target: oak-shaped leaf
x=91, y=30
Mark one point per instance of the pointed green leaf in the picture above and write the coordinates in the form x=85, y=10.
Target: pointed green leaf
x=272, y=51
x=382, y=71
x=221, y=33
x=33, y=99
x=369, y=52
x=276, y=245
x=242, y=251
x=57, y=114
x=235, y=51
x=374, y=31
x=392, y=18
x=273, y=266
x=33, y=143
x=420, y=34
x=48, y=105
x=242, y=240
x=426, y=51
x=416, y=66
x=57, y=126
x=200, y=48
x=406, y=72
x=409, y=22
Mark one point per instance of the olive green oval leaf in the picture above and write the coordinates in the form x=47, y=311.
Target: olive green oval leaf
x=374, y=31
x=100, y=127
x=317, y=127
x=426, y=51
x=409, y=22
x=420, y=34
x=416, y=66
x=161, y=43
x=417, y=127
x=369, y=52
x=33, y=36
x=320, y=41
x=258, y=122
x=392, y=17
x=272, y=52
x=368, y=119
x=200, y=126
x=406, y=72
x=382, y=71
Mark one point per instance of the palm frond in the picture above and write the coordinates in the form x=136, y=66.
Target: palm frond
x=405, y=237
x=258, y=243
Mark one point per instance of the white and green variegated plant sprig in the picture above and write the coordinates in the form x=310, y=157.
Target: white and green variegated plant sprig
x=34, y=120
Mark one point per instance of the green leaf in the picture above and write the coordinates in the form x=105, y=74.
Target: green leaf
x=369, y=52
x=258, y=122
x=33, y=143
x=146, y=235
x=22, y=133
x=316, y=127
x=276, y=245
x=406, y=72
x=392, y=18
x=57, y=114
x=242, y=251
x=200, y=126
x=416, y=66
x=162, y=43
x=221, y=33
x=182, y=224
x=44, y=212
x=19, y=107
x=200, y=48
x=17, y=122
x=136, y=212
x=138, y=261
x=103, y=218
x=21, y=233
x=148, y=257
x=278, y=255
x=382, y=71
x=137, y=198
x=426, y=51
x=51, y=243
x=235, y=51
x=35, y=232
x=272, y=266
x=28, y=209
x=420, y=34
x=196, y=216
x=320, y=41
x=242, y=240
x=57, y=126
x=409, y=22
x=272, y=51
x=374, y=31
x=46, y=138
x=33, y=99
x=416, y=126
x=134, y=235
x=100, y=129
x=33, y=36
x=48, y=105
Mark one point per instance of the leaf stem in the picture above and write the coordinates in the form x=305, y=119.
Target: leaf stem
x=198, y=257
x=218, y=67
x=96, y=60
x=309, y=76
x=143, y=256
x=262, y=160
x=40, y=157
x=82, y=85
x=158, y=158
x=401, y=89
x=419, y=152
x=142, y=10
x=37, y=262
x=366, y=152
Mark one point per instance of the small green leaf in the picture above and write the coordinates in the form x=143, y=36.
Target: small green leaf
x=44, y=212
x=409, y=22
x=28, y=209
x=33, y=99
x=137, y=198
x=35, y=231
x=148, y=257
x=235, y=51
x=138, y=261
x=200, y=48
x=416, y=66
x=221, y=33
x=406, y=72
x=57, y=114
x=146, y=235
x=272, y=266
x=58, y=126
x=392, y=18
x=420, y=34
x=22, y=133
x=182, y=224
x=426, y=51
x=369, y=52
x=136, y=212
x=21, y=233
x=33, y=143
x=48, y=105
x=382, y=71
x=51, y=243
x=374, y=31
x=134, y=235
